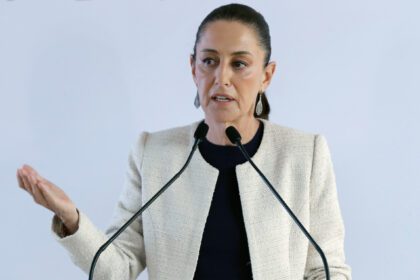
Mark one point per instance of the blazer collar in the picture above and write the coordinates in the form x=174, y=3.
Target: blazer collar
x=257, y=158
x=264, y=218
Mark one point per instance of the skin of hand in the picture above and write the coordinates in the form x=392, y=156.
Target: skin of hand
x=47, y=194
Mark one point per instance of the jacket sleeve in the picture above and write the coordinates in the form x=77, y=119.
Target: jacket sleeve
x=326, y=223
x=125, y=258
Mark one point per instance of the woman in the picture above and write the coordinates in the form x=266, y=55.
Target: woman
x=218, y=220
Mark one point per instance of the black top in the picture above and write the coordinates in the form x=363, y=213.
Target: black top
x=224, y=250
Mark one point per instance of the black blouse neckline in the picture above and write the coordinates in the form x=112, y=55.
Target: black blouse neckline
x=221, y=156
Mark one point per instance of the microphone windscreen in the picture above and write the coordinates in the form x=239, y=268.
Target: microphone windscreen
x=233, y=135
x=201, y=130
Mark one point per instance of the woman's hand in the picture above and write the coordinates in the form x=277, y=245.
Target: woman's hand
x=50, y=196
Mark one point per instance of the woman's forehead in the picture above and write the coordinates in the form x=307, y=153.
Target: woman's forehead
x=228, y=37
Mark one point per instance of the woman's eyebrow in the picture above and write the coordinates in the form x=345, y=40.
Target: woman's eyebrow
x=234, y=53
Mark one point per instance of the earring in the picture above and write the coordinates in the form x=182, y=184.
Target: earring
x=197, y=101
x=259, y=107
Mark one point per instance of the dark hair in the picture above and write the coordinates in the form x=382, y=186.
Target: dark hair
x=250, y=17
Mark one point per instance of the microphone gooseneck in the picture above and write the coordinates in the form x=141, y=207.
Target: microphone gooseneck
x=233, y=135
x=199, y=135
x=235, y=138
x=201, y=131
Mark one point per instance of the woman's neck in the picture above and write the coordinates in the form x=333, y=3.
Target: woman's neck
x=216, y=134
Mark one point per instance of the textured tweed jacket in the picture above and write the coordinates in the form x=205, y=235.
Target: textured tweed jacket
x=167, y=238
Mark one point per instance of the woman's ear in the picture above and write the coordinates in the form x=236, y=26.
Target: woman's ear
x=268, y=74
x=192, y=64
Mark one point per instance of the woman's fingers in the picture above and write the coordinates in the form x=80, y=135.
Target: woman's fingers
x=36, y=177
x=26, y=182
x=46, y=193
x=27, y=179
x=20, y=180
x=37, y=193
x=30, y=181
x=39, y=196
x=47, y=198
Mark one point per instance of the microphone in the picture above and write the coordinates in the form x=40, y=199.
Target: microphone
x=199, y=135
x=236, y=138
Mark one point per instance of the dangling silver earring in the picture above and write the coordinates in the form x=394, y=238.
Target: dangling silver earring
x=259, y=107
x=197, y=101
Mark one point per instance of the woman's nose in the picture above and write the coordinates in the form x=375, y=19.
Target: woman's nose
x=223, y=75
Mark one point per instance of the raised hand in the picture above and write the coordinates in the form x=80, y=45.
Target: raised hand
x=49, y=195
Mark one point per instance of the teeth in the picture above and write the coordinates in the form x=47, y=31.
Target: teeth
x=221, y=98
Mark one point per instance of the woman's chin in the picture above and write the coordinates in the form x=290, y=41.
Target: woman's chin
x=223, y=118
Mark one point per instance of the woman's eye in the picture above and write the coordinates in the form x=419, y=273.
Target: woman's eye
x=208, y=61
x=239, y=64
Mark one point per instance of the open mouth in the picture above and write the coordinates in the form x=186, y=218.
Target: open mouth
x=221, y=98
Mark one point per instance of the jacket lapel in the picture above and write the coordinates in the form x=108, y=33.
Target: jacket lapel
x=266, y=222
x=179, y=215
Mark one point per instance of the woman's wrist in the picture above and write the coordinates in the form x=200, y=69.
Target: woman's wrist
x=71, y=222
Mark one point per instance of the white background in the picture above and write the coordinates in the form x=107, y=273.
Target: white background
x=79, y=80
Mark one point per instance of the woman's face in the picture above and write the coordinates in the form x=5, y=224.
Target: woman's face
x=229, y=71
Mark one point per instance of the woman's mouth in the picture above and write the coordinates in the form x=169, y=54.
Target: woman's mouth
x=222, y=98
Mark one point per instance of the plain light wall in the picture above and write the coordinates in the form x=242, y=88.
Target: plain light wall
x=79, y=80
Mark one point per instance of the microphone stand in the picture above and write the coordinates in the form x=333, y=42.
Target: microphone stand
x=235, y=138
x=200, y=133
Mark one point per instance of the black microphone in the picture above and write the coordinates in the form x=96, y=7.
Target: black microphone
x=199, y=135
x=236, y=138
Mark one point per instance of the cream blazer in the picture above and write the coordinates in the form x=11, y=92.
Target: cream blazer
x=167, y=238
